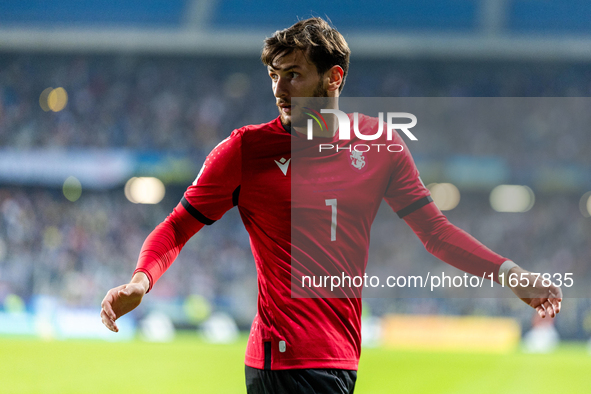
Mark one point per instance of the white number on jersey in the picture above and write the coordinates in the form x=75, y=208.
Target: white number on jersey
x=333, y=223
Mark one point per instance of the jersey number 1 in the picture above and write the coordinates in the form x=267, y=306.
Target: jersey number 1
x=332, y=202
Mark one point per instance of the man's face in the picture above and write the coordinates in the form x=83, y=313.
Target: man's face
x=294, y=76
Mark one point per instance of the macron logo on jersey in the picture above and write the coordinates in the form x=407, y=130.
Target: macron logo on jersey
x=283, y=165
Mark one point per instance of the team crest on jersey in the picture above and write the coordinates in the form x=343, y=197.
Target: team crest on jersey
x=357, y=160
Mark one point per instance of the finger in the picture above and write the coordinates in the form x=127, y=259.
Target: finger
x=556, y=304
x=109, y=311
x=107, y=321
x=110, y=324
x=557, y=293
x=541, y=311
x=107, y=306
x=549, y=309
x=107, y=324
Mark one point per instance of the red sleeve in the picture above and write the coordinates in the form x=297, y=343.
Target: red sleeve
x=214, y=191
x=217, y=186
x=452, y=244
x=405, y=186
x=164, y=244
x=411, y=200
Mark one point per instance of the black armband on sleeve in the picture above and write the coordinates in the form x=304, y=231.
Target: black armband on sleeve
x=195, y=213
x=414, y=206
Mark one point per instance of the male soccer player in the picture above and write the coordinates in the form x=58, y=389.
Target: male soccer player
x=308, y=344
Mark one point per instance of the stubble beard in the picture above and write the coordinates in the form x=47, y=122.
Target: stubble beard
x=319, y=91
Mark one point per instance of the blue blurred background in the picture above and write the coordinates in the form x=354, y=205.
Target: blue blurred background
x=150, y=87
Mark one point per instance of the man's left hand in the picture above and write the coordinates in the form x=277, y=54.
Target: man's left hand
x=535, y=292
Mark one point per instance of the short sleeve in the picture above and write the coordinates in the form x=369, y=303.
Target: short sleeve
x=217, y=186
x=406, y=191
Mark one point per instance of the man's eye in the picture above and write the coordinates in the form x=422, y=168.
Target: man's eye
x=273, y=76
x=294, y=74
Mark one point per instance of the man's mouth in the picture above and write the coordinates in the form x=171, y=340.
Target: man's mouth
x=285, y=108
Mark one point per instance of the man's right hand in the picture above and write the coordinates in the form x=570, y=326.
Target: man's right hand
x=123, y=299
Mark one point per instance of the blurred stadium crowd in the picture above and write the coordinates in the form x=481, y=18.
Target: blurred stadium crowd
x=188, y=104
x=49, y=245
x=138, y=103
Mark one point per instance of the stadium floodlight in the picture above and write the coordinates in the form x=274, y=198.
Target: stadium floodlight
x=585, y=205
x=144, y=190
x=445, y=195
x=512, y=198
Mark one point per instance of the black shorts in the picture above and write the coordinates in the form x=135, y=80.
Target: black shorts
x=300, y=381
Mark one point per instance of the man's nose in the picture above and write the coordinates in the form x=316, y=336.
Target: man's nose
x=281, y=88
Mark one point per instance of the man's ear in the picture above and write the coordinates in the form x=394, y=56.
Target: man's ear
x=335, y=75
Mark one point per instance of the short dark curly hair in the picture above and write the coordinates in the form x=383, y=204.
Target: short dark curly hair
x=321, y=44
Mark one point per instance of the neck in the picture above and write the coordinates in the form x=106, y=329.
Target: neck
x=321, y=130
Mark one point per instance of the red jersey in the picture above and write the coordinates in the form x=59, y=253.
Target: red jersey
x=310, y=213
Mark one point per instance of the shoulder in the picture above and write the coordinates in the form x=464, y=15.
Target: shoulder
x=376, y=127
x=238, y=135
x=268, y=136
x=273, y=126
x=366, y=120
x=246, y=136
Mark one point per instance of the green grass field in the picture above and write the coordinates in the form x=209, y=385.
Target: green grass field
x=188, y=365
